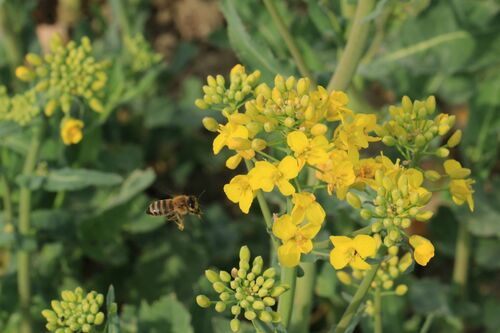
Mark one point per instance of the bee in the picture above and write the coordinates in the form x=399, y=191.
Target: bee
x=175, y=209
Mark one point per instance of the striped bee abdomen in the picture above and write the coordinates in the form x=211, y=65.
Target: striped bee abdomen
x=159, y=207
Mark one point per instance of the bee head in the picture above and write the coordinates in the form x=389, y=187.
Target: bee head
x=193, y=205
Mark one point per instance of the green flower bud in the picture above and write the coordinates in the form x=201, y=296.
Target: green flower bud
x=235, y=325
x=225, y=296
x=277, y=291
x=442, y=152
x=454, y=140
x=212, y=276
x=424, y=216
x=432, y=175
x=406, y=104
x=258, y=305
x=365, y=214
x=353, y=200
x=245, y=254
x=86, y=328
x=269, y=273
x=202, y=301
x=235, y=310
x=262, y=292
x=224, y=276
x=250, y=315
x=269, y=301
x=265, y=317
x=219, y=287
x=201, y=104
x=376, y=226
x=268, y=284
x=220, y=306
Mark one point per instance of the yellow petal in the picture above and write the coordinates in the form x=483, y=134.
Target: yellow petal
x=289, y=254
x=283, y=228
x=285, y=187
x=219, y=143
x=246, y=201
x=365, y=245
x=454, y=169
x=233, y=191
x=341, y=241
x=297, y=141
x=424, y=250
x=289, y=167
x=339, y=258
x=310, y=230
x=315, y=213
x=306, y=247
x=233, y=162
x=359, y=263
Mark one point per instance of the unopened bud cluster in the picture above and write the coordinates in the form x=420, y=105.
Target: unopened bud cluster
x=75, y=312
x=229, y=98
x=411, y=128
x=141, y=55
x=399, y=199
x=248, y=290
x=20, y=108
x=68, y=71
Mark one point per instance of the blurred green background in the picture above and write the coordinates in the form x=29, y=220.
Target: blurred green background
x=95, y=234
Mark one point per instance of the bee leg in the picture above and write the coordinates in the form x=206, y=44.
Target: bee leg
x=179, y=222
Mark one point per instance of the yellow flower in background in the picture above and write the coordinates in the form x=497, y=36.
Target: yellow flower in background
x=354, y=134
x=230, y=133
x=312, y=151
x=71, y=131
x=337, y=106
x=306, y=207
x=365, y=169
x=352, y=252
x=266, y=175
x=338, y=173
x=296, y=239
x=424, y=250
x=461, y=191
x=239, y=191
x=454, y=169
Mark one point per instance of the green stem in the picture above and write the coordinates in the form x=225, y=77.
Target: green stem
x=285, y=304
x=354, y=49
x=23, y=256
x=120, y=15
x=287, y=37
x=427, y=323
x=378, y=311
x=461, y=265
x=358, y=297
x=9, y=40
x=7, y=200
x=303, y=299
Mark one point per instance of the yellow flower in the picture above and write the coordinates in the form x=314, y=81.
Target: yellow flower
x=424, y=250
x=71, y=131
x=352, y=252
x=354, y=134
x=461, y=191
x=232, y=135
x=296, y=239
x=365, y=171
x=454, y=169
x=337, y=107
x=306, y=207
x=239, y=191
x=266, y=175
x=338, y=173
x=312, y=151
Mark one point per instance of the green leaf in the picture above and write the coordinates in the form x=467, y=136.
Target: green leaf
x=136, y=182
x=167, y=315
x=69, y=179
x=256, y=55
x=486, y=253
x=429, y=296
x=8, y=127
x=113, y=321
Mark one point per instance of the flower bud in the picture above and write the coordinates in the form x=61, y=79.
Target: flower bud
x=389, y=141
x=212, y=276
x=442, y=152
x=23, y=73
x=401, y=289
x=365, y=214
x=454, y=140
x=224, y=276
x=406, y=104
x=220, y=306
x=225, y=296
x=430, y=104
x=258, y=305
x=353, y=200
x=210, y=124
x=290, y=83
x=99, y=318
x=432, y=175
x=277, y=291
x=424, y=216
x=250, y=315
x=269, y=273
x=376, y=226
x=319, y=129
x=202, y=301
x=219, y=287
x=235, y=325
x=303, y=86
x=259, y=144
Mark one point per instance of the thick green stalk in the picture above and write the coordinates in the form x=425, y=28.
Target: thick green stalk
x=285, y=304
x=287, y=37
x=23, y=256
x=378, y=311
x=462, y=252
x=358, y=297
x=351, y=56
x=7, y=200
x=303, y=299
x=9, y=40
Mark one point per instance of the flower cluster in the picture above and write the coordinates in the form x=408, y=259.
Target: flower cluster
x=293, y=131
x=20, y=108
x=67, y=73
x=76, y=312
x=411, y=129
x=247, y=290
x=141, y=55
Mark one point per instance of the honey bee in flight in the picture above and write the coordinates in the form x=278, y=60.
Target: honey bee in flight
x=175, y=209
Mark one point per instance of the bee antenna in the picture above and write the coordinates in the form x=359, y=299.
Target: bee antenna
x=202, y=192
